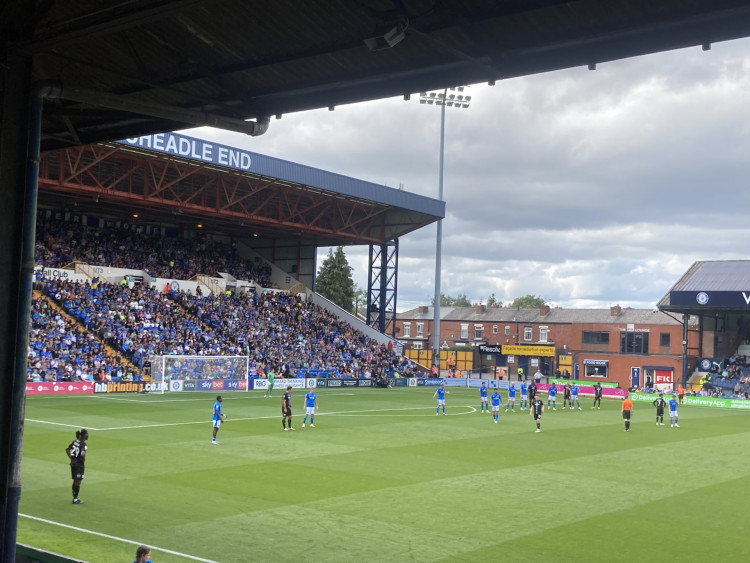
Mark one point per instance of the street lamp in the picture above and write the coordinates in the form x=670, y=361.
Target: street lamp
x=456, y=98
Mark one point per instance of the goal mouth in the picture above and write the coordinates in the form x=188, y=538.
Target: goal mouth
x=199, y=373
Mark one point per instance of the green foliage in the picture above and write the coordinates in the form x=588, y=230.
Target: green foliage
x=360, y=299
x=334, y=280
x=448, y=301
x=493, y=302
x=528, y=302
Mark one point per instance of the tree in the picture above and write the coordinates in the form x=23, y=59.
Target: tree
x=334, y=280
x=360, y=300
x=528, y=302
x=493, y=302
x=448, y=301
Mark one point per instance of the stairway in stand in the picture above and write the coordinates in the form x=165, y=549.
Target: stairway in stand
x=73, y=321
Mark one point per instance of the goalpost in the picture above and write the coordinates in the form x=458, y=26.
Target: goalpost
x=166, y=369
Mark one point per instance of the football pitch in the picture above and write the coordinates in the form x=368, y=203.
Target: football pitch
x=382, y=478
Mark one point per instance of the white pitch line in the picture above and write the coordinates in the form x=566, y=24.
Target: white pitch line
x=78, y=426
x=225, y=397
x=333, y=413
x=100, y=534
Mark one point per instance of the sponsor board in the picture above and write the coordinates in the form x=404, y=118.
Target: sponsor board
x=450, y=382
x=712, y=402
x=203, y=385
x=189, y=385
x=365, y=383
x=588, y=390
x=283, y=383
x=399, y=382
x=59, y=388
x=491, y=383
x=561, y=381
x=130, y=387
x=333, y=383
x=260, y=384
x=520, y=350
x=320, y=382
x=429, y=381
x=176, y=385
x=350, y=382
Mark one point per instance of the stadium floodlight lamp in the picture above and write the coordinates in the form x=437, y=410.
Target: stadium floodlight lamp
x=456, y=99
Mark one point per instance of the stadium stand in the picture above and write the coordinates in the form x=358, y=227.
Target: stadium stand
x=276, y=330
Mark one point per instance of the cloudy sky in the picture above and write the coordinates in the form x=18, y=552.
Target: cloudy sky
x=586, y=188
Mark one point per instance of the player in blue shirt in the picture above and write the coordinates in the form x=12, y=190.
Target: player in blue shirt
x=511, y=397
x=311, y=403
x=496, y=402
x=217, y=419
x=574, y=396
x=524, y=396
x=440, y=394
x=551, y=394
x=673, y=411
x=483, y=398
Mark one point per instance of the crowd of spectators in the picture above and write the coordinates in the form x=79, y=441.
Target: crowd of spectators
x=58, y=243
x=62, y=350
x=288, y=334
x=276, y=330
x=730, y=380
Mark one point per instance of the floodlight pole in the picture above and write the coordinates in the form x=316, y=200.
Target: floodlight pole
x=439, y=246
x=459, y=101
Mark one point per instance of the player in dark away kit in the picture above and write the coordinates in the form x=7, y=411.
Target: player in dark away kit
x=76, y=452
x=286, y=409
x=660, y=403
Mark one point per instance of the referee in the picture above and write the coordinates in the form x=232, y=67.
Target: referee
x=627, y=409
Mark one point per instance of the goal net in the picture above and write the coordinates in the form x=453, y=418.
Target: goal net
x=198, y=370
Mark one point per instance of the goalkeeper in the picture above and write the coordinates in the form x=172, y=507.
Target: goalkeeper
x=218, y=418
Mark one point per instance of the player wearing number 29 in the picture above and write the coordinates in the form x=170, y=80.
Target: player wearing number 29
x=76, y=452
x=217, y=418
x=311, y=403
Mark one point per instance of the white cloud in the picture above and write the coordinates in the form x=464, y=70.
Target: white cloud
x=586, y=188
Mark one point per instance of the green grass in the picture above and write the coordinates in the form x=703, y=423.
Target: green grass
x=381, y=478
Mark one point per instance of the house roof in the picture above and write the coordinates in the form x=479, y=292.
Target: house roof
x=556, y=315
x=710, y=287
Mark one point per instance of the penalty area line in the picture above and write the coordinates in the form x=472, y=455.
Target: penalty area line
x=107, y=536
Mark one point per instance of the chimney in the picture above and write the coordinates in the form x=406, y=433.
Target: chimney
x=616, y=310
x=423, y=309
x=480, y=309
x=544, y=310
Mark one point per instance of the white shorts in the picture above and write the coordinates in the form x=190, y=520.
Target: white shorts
x=511, y=399
x=441, y=402
x=523, y=398
x=552, y=398
x=495, y=408
x=217, y=423
x=672, y=414
x=309, y=410
x=482, y=399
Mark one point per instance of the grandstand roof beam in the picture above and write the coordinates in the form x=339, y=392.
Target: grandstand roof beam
x=189, y=117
